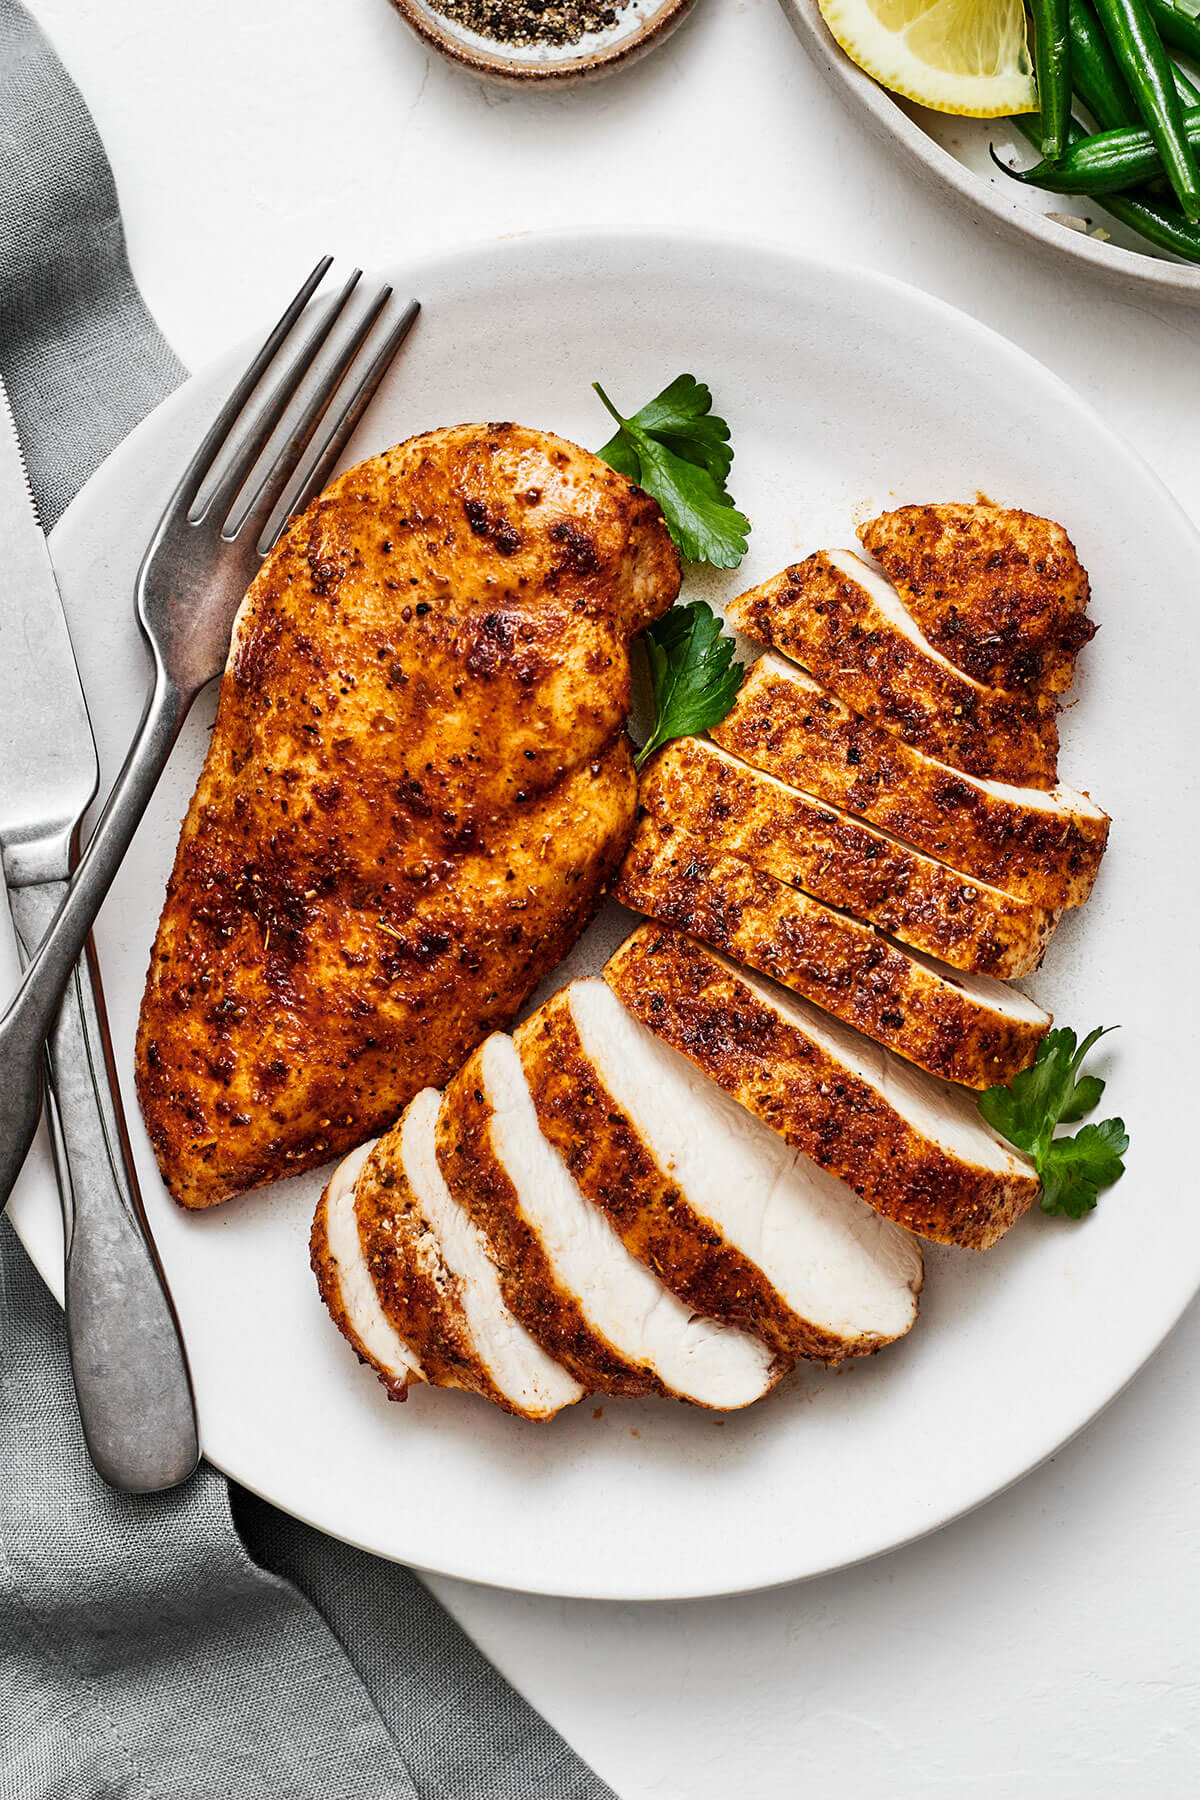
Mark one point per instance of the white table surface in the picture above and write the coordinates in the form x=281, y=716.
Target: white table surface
x=1046, y=1646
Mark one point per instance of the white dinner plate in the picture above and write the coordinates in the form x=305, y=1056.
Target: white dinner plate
x=954, y=154
x=846, y=393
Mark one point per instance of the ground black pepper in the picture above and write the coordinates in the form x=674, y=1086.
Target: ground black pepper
x=524, y=22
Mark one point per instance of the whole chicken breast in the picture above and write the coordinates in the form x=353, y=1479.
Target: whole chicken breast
x=416, y=790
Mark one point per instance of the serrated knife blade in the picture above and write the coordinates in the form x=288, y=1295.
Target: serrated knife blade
x=48, y=767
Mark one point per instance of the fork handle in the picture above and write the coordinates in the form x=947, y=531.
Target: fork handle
x=26, y=1025
x=127, y=1361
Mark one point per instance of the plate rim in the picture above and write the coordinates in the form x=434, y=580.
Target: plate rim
x=1136, y=274
x=614, y=239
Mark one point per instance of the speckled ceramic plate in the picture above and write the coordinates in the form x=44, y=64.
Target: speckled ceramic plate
x=844, y=391
x=953, y=154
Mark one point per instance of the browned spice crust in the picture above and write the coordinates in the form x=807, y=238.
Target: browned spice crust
x=829, y=623
x=612, y=1165
x=253, y=1065
x=805, y=737
x=690, y=1001
x=840, y=860
x=417, y=787
x=1000, y=592
x=833, y=960
x=548, y=1311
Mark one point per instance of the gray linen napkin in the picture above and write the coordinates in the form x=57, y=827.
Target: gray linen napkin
x=195, y=1644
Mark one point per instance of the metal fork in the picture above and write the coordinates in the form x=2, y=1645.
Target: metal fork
x=208, y=545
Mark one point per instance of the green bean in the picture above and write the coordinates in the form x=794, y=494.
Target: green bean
x=1161, y=225
x=1106, y=162
x=1176, y=26
x=1138, y=50
x=1189, y=93
x=1052, y=66
x=1098, y=81
x=1101, y=85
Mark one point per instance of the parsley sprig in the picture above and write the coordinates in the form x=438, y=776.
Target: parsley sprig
x=1051, y=1093
x=692, y=672
x=678, y=449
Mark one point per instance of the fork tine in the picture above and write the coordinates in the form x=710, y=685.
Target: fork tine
x=275, y=402
x=331, y=370
x=192, y=477
x=337, y=428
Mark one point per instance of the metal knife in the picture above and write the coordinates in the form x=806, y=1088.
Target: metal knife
x=127, y=1359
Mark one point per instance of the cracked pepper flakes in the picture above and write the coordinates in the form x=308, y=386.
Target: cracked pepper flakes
x=527, y=22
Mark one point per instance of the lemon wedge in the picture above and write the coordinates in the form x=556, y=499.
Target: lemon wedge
x=957, y=56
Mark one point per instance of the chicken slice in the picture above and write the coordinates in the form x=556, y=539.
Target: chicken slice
x=1043, y=846
x=1001, y=593
x=915, y=1148
x=845, y=625
x=347, y=1286
x=730, y=806
x=967, y=1028
x=564, y=1271
x=436, y=1283
x=739, y=1225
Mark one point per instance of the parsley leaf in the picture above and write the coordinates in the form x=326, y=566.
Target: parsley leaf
x=1074, y=1169
x=678, y=449
x=1040, y=1097
x=683, y=418
x=1052, y=1092
x=692, y=672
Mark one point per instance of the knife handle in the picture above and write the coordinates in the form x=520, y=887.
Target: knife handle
x=127, y=1360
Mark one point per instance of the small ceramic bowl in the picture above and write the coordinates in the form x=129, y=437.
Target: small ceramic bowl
x=640, y=25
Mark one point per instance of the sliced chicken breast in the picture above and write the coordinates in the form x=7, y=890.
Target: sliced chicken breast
x=565, y=1273
x=737, y=1224
x=1000, y=592
x=436, y=1282
x=967, y=1028
x=1043, y=846
x=730, y=806
x=347, y=1286
x=843, y=622
x=916, y=1149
